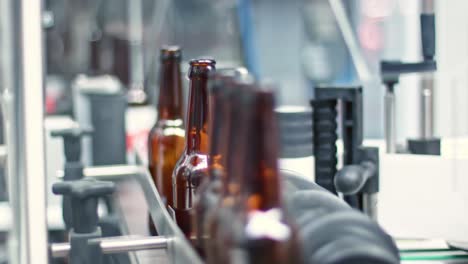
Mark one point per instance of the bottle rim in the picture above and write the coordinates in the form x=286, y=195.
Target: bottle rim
x=202, y=62
x=171, y=52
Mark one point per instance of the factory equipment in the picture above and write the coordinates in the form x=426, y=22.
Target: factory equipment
x=391, y=71
x=358, y=179
x=241, y=193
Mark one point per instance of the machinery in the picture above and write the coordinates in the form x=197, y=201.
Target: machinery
x=76, y=103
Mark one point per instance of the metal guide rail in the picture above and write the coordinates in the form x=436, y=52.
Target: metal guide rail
x=171, y=239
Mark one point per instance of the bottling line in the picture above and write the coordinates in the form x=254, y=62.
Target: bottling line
x=233, y=131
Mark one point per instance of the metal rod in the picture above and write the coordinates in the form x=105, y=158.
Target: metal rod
x=427, y=108
x=3, y=154
x=369, y=203
x=136, y=31
x=110, y=173
x=60, y=250
x=23, y=101
x=115, y=172
x=114, y=245
x=390, y=122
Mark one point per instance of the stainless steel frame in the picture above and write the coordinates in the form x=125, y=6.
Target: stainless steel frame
x=22, y=55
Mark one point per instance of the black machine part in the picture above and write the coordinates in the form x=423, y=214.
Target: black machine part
x=323, y=238
x=295, y=127
x=324, y=140
x=73, y=168
x=428, y=36
x=108, y=121
x=362, y=177
x=391, y=70
x=84, y=196
x=352, y=178
x=425, y=146
x=328, y=101
x=331, y=231
x=72, y=141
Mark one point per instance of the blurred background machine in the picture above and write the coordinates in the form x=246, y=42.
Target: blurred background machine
x=98, y=63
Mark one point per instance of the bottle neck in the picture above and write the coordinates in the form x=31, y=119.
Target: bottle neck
x=240, y=120
x=215, y=126
x=197, y=116
x=261, y=182
x=170, y=102
x=235, y=144
x=219, y=126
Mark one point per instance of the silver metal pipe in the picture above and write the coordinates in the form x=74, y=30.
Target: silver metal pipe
x=135, y=14
x=370, y=202
x=119, y=245
x=390, y=121
x=23, y=102
x=427, y=108
x=60, y=250
x=110, y=173
x=114, y=245
x=3, y=154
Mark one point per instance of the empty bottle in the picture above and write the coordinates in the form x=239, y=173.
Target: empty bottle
x=268, y=236
x=220, y=228
x=221, y=86
x=166, y=139
x=192, y=166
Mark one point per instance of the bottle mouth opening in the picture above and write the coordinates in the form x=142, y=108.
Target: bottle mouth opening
x=202, y=62
x=171, y=52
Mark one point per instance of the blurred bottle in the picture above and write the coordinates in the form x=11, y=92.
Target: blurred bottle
x=95, y=42
x=192, y=166
x=128, y=68
x=219, y=225
x=166, y=139
x=267, y=235
x=220, y=86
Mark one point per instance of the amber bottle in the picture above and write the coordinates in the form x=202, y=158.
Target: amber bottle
x=220, y=87
x=166, y=139
x=192, y=166
x=268, y=235
x=220, y=225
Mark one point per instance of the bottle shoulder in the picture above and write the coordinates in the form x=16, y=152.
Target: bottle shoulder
x=193, y=161
x=191, y=165
x=165, y=128
x=177, y=122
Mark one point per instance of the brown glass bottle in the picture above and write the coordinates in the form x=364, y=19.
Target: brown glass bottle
x=166, y=139
x=220, y=87
x=193, y=163
x=220, y=225
x=268, y=235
